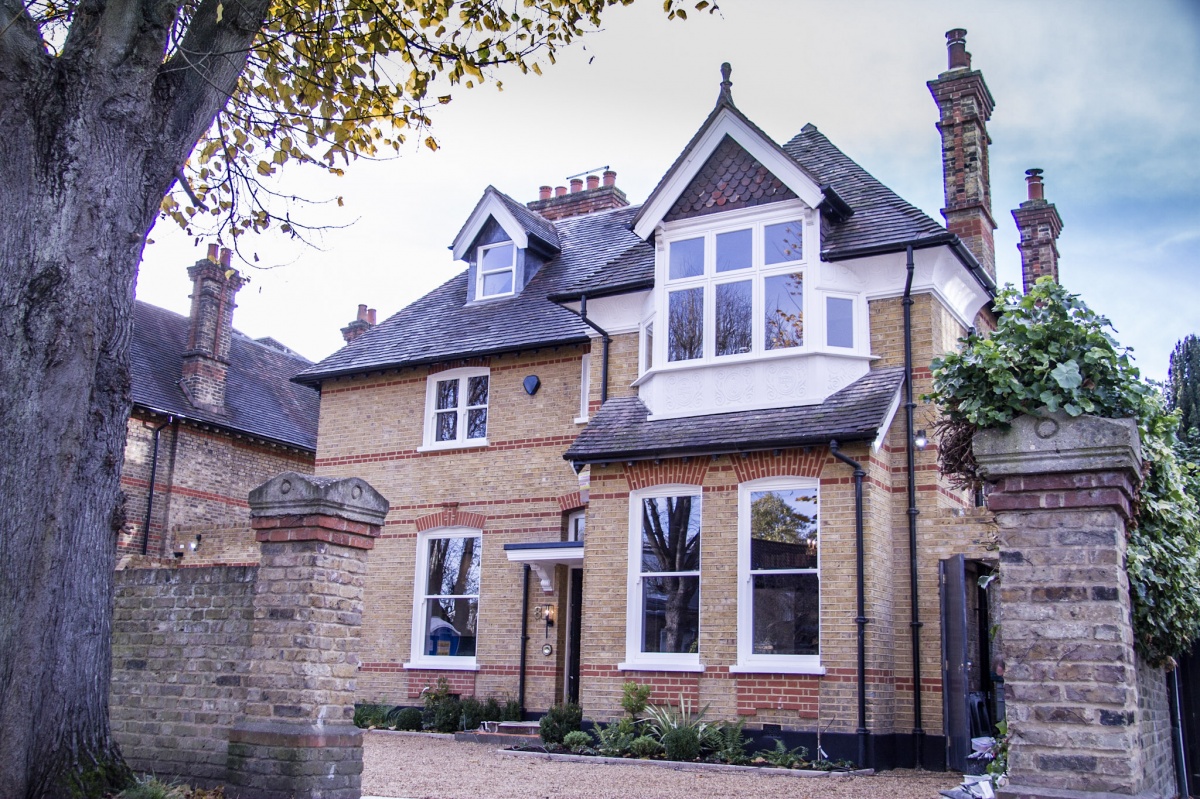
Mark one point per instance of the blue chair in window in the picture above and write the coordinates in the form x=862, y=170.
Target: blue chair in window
x=443, y=638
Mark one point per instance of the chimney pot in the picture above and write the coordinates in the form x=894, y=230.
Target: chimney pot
x=212, y=253
x=593, y=182
x=226, y=255
x=544, y=192
x=576, y=185
x=1033, y=181
x=956, y=44
x=560, y=191
x=610, y=177
x=371, y=317
x=362, y=312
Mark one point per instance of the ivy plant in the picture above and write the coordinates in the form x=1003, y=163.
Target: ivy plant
x=1049, y=351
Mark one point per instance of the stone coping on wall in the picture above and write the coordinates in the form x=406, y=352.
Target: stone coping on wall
x=1054, y=443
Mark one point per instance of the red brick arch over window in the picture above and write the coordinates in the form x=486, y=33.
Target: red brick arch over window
x=451, y=516
x=682, y=471
x=806, y=462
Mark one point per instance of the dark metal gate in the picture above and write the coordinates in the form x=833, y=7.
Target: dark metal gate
x=970, y=701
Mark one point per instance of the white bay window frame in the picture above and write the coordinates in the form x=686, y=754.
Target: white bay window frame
x=748, y=662
x=635, y=658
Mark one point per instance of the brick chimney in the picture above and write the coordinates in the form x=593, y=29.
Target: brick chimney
x=600, y=195
x=364, y=322
x=966, y=105
x=206, y=361
x=1039, y=224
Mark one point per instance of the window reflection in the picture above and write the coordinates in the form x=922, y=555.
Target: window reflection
x=784, y=311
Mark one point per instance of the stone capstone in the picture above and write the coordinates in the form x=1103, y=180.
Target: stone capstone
x=294, y=494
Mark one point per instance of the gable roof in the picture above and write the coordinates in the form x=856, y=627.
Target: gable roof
x=442, y=326
x=620, y=430
x=260, y=399
x=523, y=226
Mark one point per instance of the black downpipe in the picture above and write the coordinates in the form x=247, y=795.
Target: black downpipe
x=861, y=618
x=915, y=623
x=1173, y=698
x=150, y=493
x=605, y=340
x=524, y=637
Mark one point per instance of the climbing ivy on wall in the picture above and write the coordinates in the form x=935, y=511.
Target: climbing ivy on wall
x=1049, y=350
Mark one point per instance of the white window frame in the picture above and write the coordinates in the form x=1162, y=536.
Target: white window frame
x=757, y=220
x=747, y=661
x=512, y=267
x=418, y=658
x=462, y=375
x=635, y=658
x=585, y=385
x=856, y=315
x=577, y=525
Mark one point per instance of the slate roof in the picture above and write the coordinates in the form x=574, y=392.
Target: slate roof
x=260, y=398
x=620, y=430
x=533, y=223
x=441, y=325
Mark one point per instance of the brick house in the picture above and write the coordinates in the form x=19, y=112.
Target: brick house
x=676, y=443
x=215, y=414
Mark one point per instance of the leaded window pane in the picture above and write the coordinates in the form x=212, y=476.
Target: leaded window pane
x=685, y=328
x=670, y=534
x=477, y=423
x=839, y=322
x=447, y=426
x=783, y=297
x=735, y=250
x=783, y=529
x=670, y=614
x=477, y=391
x=686, y=258
x=787, y=614
x=782, y=243
x=447, y=394
x=498, y=283
x=735, y=313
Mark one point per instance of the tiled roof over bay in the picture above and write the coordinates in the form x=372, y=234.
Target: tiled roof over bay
x=442, y=326
x=620, y=430
x=260, y=398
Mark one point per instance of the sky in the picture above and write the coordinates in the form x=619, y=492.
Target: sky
x=1104, y=96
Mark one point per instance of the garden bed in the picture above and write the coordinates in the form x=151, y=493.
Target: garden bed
x=679, y=765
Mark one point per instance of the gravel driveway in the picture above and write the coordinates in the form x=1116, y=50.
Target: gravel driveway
x=415, y=767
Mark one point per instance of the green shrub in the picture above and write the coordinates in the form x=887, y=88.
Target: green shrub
x=1050, y=350
x=405, y=718
x=681, y=743
x=634, y=698
x=782, y=757
x=511, y=711
x=560, y=720
x=645, y=747
x=730, y=745
x=470, y=713
x=662, y=719
x=577, y=741
x=491, y=710
x=442, y=712
x=368, y=716
x=616, y=738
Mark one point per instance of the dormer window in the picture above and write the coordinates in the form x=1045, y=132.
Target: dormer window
x=497, y=270
x=736, y=289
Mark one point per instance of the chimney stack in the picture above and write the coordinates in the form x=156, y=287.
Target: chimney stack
x=1039, y=224
x=965, y=106
x=362, y=323
x=545, y=192
x=210, y=329
x=601, y=194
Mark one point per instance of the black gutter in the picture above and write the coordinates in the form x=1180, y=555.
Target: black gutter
x=733, y=449
x=861, y=618
x=604, y=338
x=524, y=638
x=947, y=239
x=614, y=290
x=224, y=426
x=150, y=492
x=915, y=623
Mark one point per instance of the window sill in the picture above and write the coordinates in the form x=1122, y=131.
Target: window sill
x=661, y=666
x=581, y=420
x=475, y=443
x=778, y=668
x=469, y=665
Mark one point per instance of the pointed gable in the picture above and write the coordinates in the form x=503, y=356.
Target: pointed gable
x=730, y=178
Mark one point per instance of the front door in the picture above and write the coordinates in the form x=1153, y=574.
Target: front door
x=574, y=623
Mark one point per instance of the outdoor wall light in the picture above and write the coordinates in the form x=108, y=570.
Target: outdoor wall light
x=549, y=619
x=194, y=545
x=920, y=441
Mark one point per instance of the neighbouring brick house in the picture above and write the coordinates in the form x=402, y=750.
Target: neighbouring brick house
x=215, y=414
x=621, y=445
